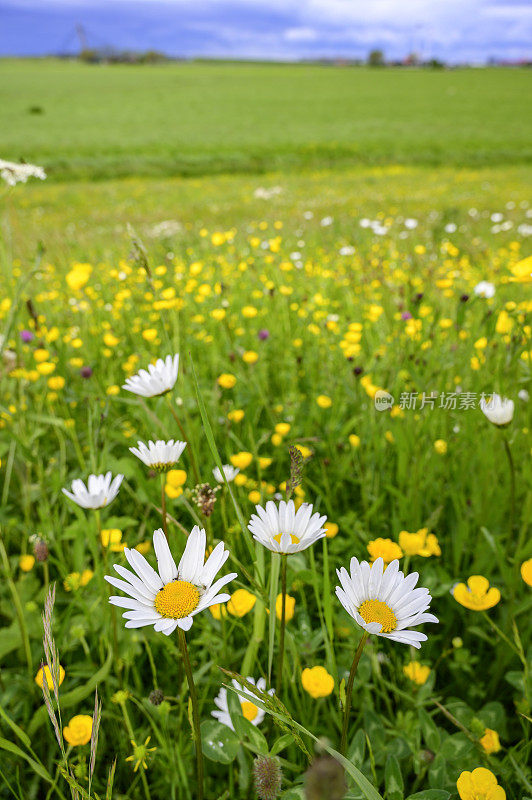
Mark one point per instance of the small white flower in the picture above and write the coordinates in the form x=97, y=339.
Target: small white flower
x=160, y=456
x=523, y=395
x=411, y=223
x=283, y=530
x=383, y=601
x=484, y=289
x=249, y=710
x=158, y=379
x=172, y=596
x=13, y=173
x=499, y=410
x=450, y=227
x=100, y=491
x=229, y=472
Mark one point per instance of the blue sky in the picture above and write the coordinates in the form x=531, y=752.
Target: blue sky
x=455, y=30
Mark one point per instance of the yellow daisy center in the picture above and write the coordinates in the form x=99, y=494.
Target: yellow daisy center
x=177, y=599
x=295, y=539
x=249, y=710
x=377, y=611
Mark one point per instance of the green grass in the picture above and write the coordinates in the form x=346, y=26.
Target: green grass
x=447, y=149
x=202, y=118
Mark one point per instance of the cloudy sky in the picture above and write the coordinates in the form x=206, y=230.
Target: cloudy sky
x=455, y=30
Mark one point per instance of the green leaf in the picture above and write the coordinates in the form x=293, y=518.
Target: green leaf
x=393, y=779
x=219, y=743
x=245, y=730
x=38, y=768
x=358, y=748
x=429, y=730
x=24, y=738
x=280, y=743
x=456, y=747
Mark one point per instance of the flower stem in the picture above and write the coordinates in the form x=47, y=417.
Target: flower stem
x=163, y=504
x=279, y=684
x=195, y=711
x=512, y=489
x=349, y=692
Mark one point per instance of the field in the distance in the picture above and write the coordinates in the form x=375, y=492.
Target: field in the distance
x=199, y=118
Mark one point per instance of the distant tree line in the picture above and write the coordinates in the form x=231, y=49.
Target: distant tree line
x=375, y=59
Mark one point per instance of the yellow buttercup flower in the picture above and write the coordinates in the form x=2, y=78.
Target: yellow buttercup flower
x=254, y=496
x=490, y=741
x=477, y=595
x=56, y=382
x=282, y=428
x=481, y=784
x=48, y=675
x=331, y=529
x=264, y=462
x=226, y=380
x=112, y=538
x=236, y=415
x=386, y=549
x=354, y=440
x=416, y=672
x=79, y=730
x=289, y=606
x=26, y=563
x=40, y=355
x=421, y=543
x=440, y=446
x=73, y=581
x=176, y=477
x=250, y=357
x=241, y=603
x=78, y=276
x=241, y=460
x=526, y=571
x=522, y=271
x=218, y=610
x=324, y=401
x=317, y=682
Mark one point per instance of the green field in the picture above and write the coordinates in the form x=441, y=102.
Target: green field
x=198, y=118
x=341, y=259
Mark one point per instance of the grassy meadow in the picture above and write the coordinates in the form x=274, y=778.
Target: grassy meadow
x=87, y=121
x=305, y=238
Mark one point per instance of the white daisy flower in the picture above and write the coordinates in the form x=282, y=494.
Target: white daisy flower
x=160, y=456
x=499, y=410
x=383, y=601
x=172, y=596
x=100, y=491
x=484, y=289
x=285, y=530
x=158, y=379
x=229, y=472
x=249, y=710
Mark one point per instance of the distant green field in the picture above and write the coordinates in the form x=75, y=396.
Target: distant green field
x=201, y=118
